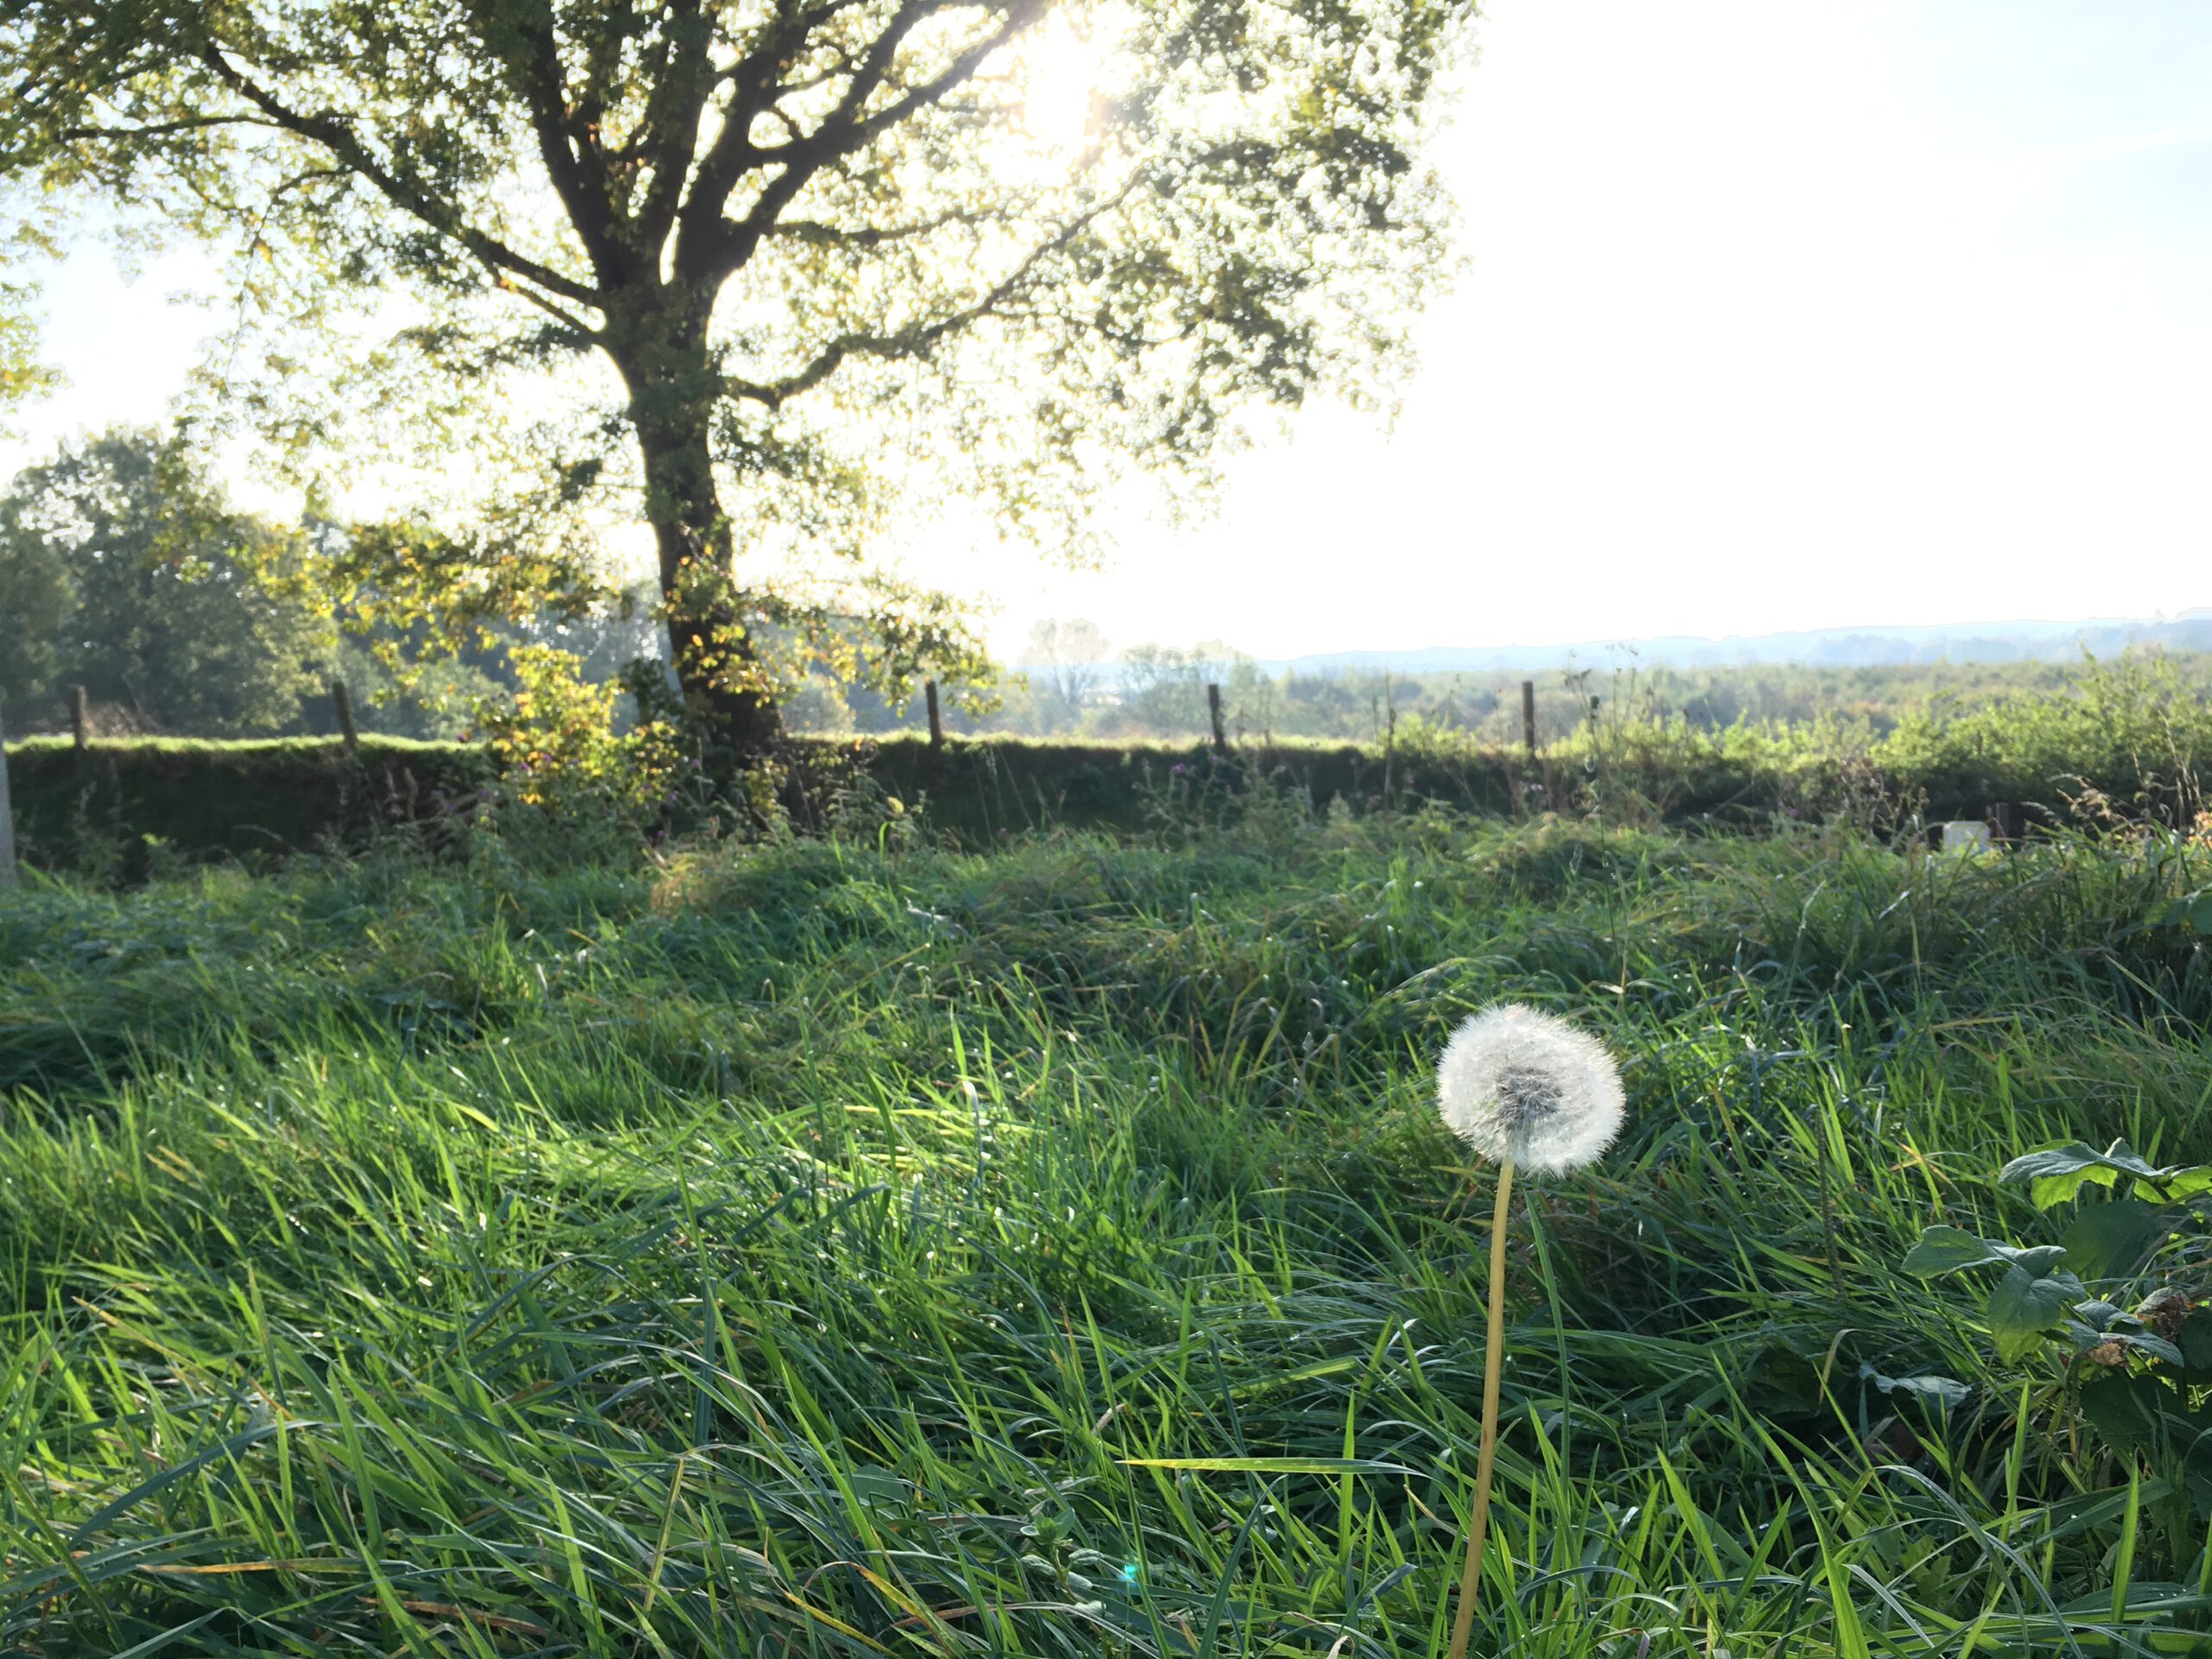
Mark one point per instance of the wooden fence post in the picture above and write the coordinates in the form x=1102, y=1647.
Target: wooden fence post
x=344, y=698
x=1528, y=716
x=81, y=717
x=1213, y=713
x=936, y=722
x=7, y=821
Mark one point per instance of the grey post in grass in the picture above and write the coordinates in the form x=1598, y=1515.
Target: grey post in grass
x=936, y=724
x=344, y=698
x=7, y=820
x=80, y=718
x=1213, y=711
x=1528, y=716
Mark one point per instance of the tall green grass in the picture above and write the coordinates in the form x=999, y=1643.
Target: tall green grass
x=832, y=1249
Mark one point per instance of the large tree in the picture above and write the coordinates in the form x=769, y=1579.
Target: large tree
x=816, y=240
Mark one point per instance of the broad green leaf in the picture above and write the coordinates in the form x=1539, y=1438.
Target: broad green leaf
x=2147, y=1343
x=2025, y=1307
x=2190, y=1181
x=2127, y=1411
x=2110, y=1240
x=2196, y=1336
x=1944, y=1249
x=2058, y=1173
x=2140, y=1412
x=2094, y=1323
x=1939, y=1391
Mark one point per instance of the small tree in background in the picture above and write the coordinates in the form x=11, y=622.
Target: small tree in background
x=35, y=601
x=123, y=569
x=1164, y=687
x=1066, y=661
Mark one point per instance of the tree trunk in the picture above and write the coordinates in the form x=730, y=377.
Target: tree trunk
x=717, y=663
x=672, y=387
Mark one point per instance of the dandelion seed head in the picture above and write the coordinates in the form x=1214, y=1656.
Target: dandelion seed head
x=1520, y=1083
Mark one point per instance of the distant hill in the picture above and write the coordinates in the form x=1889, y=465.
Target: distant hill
x=1859, y=647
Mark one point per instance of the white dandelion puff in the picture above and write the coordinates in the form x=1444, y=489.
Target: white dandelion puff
x=1524, y=1086
x=1525, y=1089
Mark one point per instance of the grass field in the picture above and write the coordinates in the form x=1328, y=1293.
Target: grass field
x=832, y=1249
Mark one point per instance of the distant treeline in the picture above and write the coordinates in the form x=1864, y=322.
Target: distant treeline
x=1159, y=693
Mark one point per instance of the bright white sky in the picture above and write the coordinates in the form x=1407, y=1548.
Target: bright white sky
x=1777, y=314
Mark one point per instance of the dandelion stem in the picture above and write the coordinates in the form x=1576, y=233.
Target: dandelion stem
x=1471, y=1575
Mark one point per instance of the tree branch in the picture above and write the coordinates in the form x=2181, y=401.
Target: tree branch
x=573, y=160
x=916, y=340
x=728, y=243
x=163, y=129
x=819, y=234
x=756, y=85
x=334, y=135
x=668, y=132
